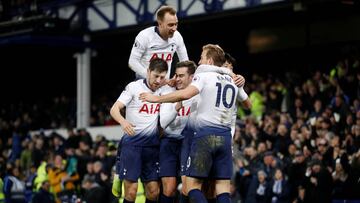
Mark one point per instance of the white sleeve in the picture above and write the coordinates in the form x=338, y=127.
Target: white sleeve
x=168, y=114
x=242, y=95
x=198, y=81
x=126, y=95
x=136, y=54
x=221, y=70
x=181, y=50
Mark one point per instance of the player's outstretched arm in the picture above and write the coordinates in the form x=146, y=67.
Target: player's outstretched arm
x=148, y=97
x=244, y=98
x=176, y=96
x=127, y=127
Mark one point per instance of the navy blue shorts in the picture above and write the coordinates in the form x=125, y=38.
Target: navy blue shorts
x=185, y=150
x=170, y=157
x=210, y=156
x=137, y=161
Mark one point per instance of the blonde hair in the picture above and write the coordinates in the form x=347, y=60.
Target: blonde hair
x=216, y=53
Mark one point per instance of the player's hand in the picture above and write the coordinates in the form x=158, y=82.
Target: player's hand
x=148, y=97
x=239, y=80
x=164, y=82
x=128, y=128
x=172, y=81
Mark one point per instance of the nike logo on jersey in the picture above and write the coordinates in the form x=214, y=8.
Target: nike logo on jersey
x=136, y=44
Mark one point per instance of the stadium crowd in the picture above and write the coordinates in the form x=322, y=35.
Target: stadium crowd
x=299, y=142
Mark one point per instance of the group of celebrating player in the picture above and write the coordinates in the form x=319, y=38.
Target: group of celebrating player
x=180, y=125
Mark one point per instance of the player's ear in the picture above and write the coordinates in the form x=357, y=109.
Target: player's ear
x=211, y=61
x=159, y=22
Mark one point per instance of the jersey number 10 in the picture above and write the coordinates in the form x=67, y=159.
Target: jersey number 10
x=222, y=94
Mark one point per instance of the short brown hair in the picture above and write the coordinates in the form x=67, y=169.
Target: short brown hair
x=159, y=65
x=216, y=53
x=160, y=13
x=190, y=65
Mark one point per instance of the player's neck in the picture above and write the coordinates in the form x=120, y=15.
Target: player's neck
x=157, y=30
x=146, y=82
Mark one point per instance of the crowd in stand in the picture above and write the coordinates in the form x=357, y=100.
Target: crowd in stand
x=300, y=142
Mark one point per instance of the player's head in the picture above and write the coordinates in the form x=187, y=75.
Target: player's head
x=156, y=73
x=212, y=55
x=167, y=21
x=184, y=73
x=230, y=61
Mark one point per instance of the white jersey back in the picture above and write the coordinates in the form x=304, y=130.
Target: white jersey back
x=143, y=115
x=177, y=120
x=217, y=105
x=148, y=45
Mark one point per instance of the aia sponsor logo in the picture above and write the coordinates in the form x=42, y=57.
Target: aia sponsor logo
x=150, y=108
x=184, y=111
x=163, y=56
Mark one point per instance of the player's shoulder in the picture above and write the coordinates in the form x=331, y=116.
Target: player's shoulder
x=206, y=68
x=135, y=83
x=147, y=32
x=166, y=89
x=178, y=36
x=177, y=33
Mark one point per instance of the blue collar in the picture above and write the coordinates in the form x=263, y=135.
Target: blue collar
x=145, y=82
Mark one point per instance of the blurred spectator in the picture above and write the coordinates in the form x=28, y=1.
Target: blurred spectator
x=296, y=173
x=259, y=190
x=44, y=195
x=38, y=152
x=318, y=183
x=279, y=188
x=243, y=179
x=94, y=193
x=342, y=184
x=26, y=155
x=62, y=182
x=14, y=187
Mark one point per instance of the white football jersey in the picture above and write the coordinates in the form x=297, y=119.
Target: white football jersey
x=148, y=45
x=242, y=95
x=218, y=94
x=143, y=115
x=172, y=121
